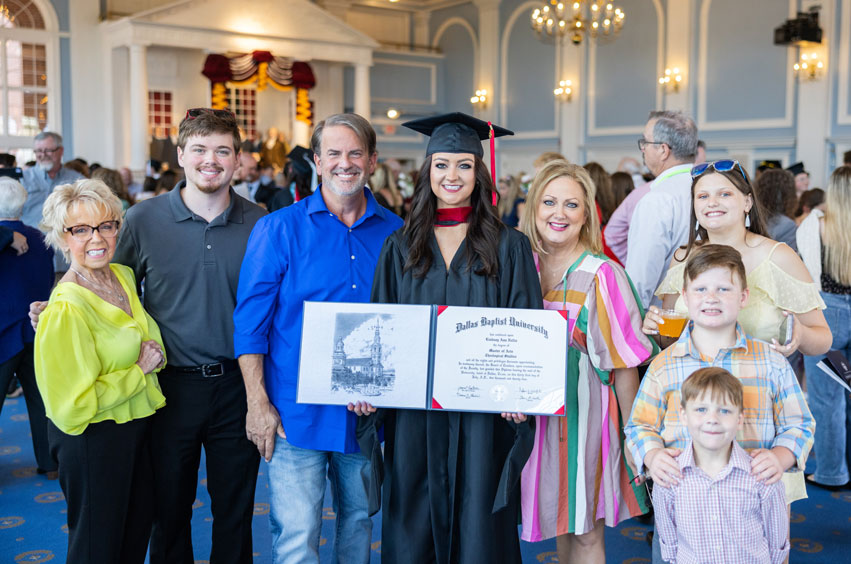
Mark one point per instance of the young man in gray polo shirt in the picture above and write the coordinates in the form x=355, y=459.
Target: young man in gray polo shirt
x=187, y=247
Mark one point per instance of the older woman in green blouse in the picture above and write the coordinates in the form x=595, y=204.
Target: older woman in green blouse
x=96, y=355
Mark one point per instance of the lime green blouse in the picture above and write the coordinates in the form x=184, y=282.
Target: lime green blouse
x=772, y=290
x=85, y=357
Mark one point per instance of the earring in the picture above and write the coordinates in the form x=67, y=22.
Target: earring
x=747, y=221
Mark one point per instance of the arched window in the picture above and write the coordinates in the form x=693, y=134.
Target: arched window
x=26, y=83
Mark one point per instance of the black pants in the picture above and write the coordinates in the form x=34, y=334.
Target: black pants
x=22, y=365
x=209, y=412
x=105, y=474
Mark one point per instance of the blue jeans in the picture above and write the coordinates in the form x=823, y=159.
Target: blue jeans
x=829, y=402
x=656, y=549
x=297, y=487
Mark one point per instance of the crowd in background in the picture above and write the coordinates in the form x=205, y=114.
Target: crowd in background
x=587, y=228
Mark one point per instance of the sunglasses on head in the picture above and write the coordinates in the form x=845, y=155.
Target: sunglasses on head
x=196, y=112
x=718, y=166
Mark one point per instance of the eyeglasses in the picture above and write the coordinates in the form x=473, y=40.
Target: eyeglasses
x=46, y=151
x=644, y=142
x=718, y=166
x=196, y=112
x=107, y=229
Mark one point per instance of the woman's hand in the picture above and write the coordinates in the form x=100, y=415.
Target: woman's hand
x=787, y=349
x=810, y=334
x=19, y=243
x=516, y=417
x=35, y=311
x=652, y=320
x=150, y=356
x=362, y=408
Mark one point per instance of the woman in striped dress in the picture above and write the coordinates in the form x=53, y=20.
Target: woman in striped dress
x=578, y=478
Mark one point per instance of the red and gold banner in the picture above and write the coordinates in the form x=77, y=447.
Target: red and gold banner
x=263, y=69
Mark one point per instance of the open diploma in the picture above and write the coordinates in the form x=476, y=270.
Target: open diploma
x=378, y=353
x=434, y=357
x=500, y=360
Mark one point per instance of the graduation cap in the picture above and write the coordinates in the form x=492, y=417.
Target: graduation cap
x=797, y=169
x=768, y=165
x=458, y=132
x=455, y=133
x=301, y=159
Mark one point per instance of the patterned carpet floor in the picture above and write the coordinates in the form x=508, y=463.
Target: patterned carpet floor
x=33, y=529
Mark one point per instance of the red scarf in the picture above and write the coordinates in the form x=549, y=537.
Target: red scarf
x=447, y=217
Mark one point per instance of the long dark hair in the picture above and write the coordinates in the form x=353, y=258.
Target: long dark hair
x=301, y=178
x=776, y=190
x=809, y=199
x=482, y=232
x=697, y=235
x=605, y=195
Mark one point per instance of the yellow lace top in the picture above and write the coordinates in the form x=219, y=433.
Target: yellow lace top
x=772, y=290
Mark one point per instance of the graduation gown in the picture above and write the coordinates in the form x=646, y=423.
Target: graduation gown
x=450, y=480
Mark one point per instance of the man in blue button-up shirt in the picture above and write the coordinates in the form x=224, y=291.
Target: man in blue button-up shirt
x=40, y=180
x=323, y=248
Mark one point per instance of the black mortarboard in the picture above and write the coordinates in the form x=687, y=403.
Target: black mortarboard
x=797, y=169
x=455, y=133
x=301, y=159
x=767, y=165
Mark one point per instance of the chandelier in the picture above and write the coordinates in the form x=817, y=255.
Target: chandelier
x=577, y=19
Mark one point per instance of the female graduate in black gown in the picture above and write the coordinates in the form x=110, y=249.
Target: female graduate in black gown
x=450, y=480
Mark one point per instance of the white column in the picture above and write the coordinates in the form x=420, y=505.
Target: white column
x=571, y=60
x=421, y=38
x=362, y=97
x=138, y=107
x=814, y=103
x=487, y=65
x=678, y=54
x=110, y=153
x=301, y=133
x=328, y=95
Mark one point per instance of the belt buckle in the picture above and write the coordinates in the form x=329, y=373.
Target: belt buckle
x=212, y=370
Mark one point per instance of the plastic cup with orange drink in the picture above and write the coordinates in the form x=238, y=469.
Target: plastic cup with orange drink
x=674, y=323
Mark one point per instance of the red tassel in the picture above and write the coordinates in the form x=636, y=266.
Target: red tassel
x=493, y=162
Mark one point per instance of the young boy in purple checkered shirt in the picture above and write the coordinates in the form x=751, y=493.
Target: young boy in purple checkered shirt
x=718, y=511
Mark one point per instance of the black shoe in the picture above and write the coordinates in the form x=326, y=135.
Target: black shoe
x=51, y=474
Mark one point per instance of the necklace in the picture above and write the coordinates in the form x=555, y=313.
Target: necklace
x=109, y=290
x=558, y=271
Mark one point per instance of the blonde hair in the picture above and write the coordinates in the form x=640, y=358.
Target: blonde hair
x=837, y=218
x=589, y=234
x=506, y=204
x=92, y=195
x=547, y=157
x=382, y=178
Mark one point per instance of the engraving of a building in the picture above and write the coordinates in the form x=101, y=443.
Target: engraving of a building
x=366, y=375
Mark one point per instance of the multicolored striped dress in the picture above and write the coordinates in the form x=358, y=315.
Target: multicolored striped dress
x=577, y=473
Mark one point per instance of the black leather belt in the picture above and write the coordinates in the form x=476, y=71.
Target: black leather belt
x=208, y=370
